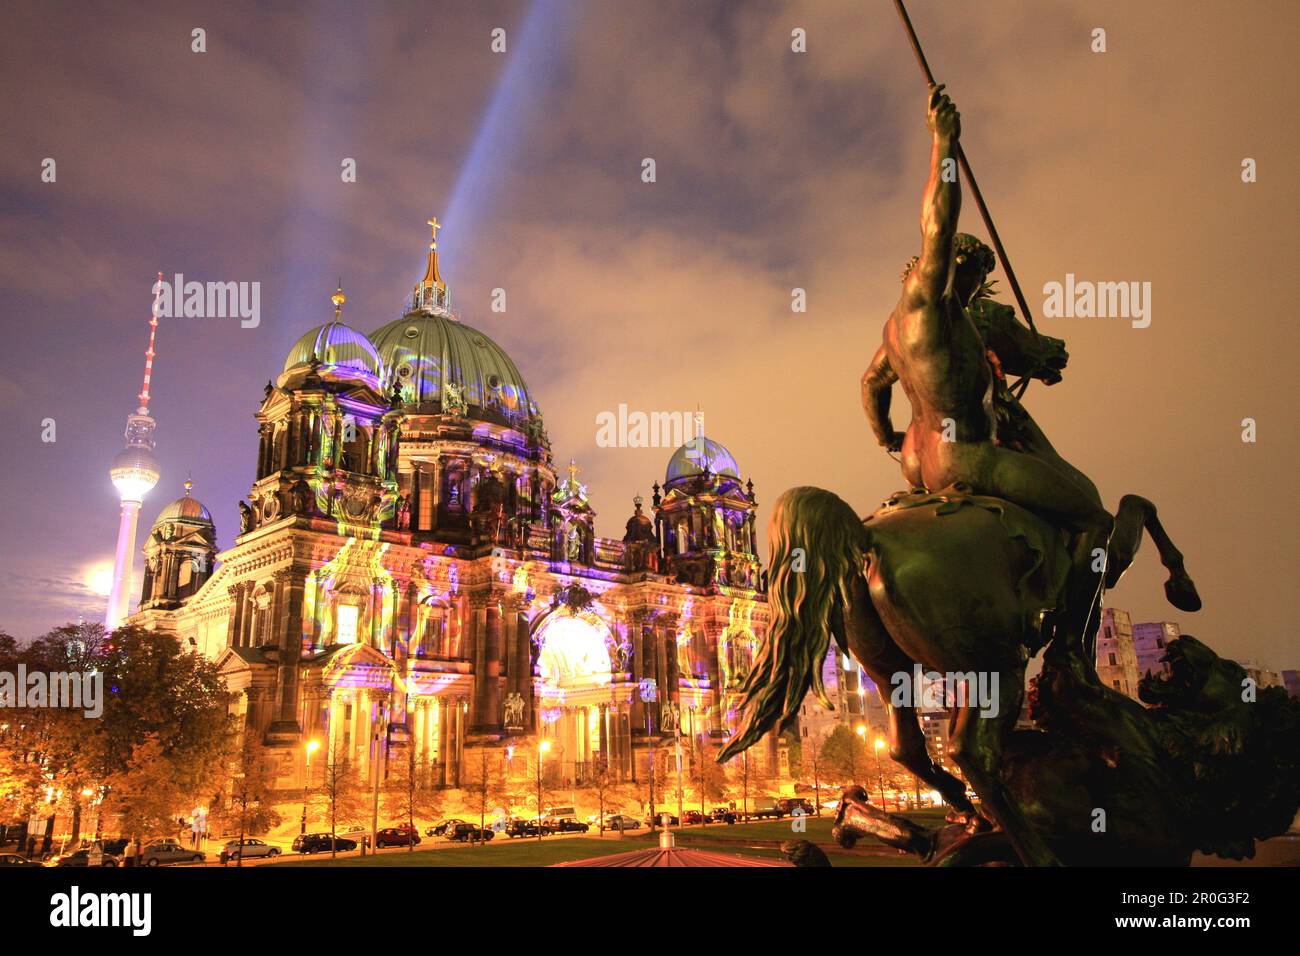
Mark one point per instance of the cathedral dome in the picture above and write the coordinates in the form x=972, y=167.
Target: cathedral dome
x=342, y=353
x=427, y=351
x=692, y=458
x=184, y=508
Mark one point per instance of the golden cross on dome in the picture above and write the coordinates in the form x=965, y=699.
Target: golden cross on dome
x=573, y=469
x=435, y=225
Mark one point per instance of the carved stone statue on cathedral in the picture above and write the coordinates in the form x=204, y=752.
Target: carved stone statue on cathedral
x=668, y=716
x=512, y=711
x=453, y=399
x=573, y=544
x=403, y=513
x=624, y=652
x=245, y=518
x=302, y=498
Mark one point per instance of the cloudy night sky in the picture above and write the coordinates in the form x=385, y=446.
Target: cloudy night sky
x=775, y=170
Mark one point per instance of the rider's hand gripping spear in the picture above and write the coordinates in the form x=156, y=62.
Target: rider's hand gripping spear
x=1019, y=388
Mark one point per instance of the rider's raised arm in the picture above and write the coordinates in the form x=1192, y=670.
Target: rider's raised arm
x=877, y=390
x=940, y=205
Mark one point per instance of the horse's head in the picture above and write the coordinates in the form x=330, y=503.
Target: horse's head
x=1020, y=350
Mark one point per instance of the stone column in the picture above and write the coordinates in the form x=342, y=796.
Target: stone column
x=459, y=707
x=604, y=736
x=478, y=654
x=490, y=716
x=444, y=716
x=636, y=629
x=286, y=617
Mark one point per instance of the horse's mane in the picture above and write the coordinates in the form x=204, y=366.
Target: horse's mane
x=816, y=545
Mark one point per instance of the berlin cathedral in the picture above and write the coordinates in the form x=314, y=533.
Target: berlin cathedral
x=410, y=564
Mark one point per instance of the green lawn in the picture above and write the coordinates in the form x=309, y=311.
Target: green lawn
x=500, y=852
x=751, y=839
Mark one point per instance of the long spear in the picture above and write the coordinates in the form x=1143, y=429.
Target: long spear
x=970, y=180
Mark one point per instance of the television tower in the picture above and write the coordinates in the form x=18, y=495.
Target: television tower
x=134, y=473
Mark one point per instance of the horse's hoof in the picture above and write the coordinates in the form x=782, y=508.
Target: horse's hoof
x=1181, y=592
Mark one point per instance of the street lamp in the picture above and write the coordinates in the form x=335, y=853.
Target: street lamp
x=542, y=747
x=312, y=746
x=649, y=690
x=880, y=745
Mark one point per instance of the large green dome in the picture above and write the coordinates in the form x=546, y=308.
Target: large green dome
x=426, y=351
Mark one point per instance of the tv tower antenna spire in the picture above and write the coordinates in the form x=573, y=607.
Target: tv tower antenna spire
x=134, y=473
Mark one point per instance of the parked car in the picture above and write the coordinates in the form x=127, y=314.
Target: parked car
x=621, y=821
x=790, y=804
x=14, y=860
x=468, y=832
x=661, y=817
x=320, y=843
x=82, y=858
x=440, y=829
x=568, y=825
x=519, y=827
x=251, y=849
x=723, y=815
x=169, y=851
x=397, y=836
x=692, y=816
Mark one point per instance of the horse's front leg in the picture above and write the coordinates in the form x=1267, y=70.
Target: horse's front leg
x=979, y=733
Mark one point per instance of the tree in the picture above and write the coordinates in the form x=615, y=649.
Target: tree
x=710, y=778
x=604, y=784
x=146, y=796
x=251, y=808
x=342, y=791
x=812, y=761
x=405, y=795
x=844, y=755
x=484, y=786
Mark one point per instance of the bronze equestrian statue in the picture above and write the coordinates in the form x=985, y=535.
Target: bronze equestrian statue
x=999, y=549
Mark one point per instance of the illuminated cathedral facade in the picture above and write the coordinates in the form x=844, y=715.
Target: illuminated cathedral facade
x=412, y=567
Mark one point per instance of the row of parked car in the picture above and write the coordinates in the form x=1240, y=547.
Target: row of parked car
x=120, y=852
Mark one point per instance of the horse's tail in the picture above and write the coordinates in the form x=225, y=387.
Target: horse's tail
x=816, y=545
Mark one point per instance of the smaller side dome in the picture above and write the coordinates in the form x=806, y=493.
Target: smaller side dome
x=340, y=352
x=185, y=508
x=697, y=454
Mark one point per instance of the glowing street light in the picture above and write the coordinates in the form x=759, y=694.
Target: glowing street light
x=312, y=746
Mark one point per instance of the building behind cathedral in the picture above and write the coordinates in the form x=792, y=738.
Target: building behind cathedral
x=409, y=558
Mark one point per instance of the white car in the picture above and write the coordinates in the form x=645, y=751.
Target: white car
x=251, y=849
x=358, y=835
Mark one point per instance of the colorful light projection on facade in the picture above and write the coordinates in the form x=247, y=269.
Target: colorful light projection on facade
x=350, y=599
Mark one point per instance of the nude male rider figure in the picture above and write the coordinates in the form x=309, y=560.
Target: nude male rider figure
x=934, y=351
